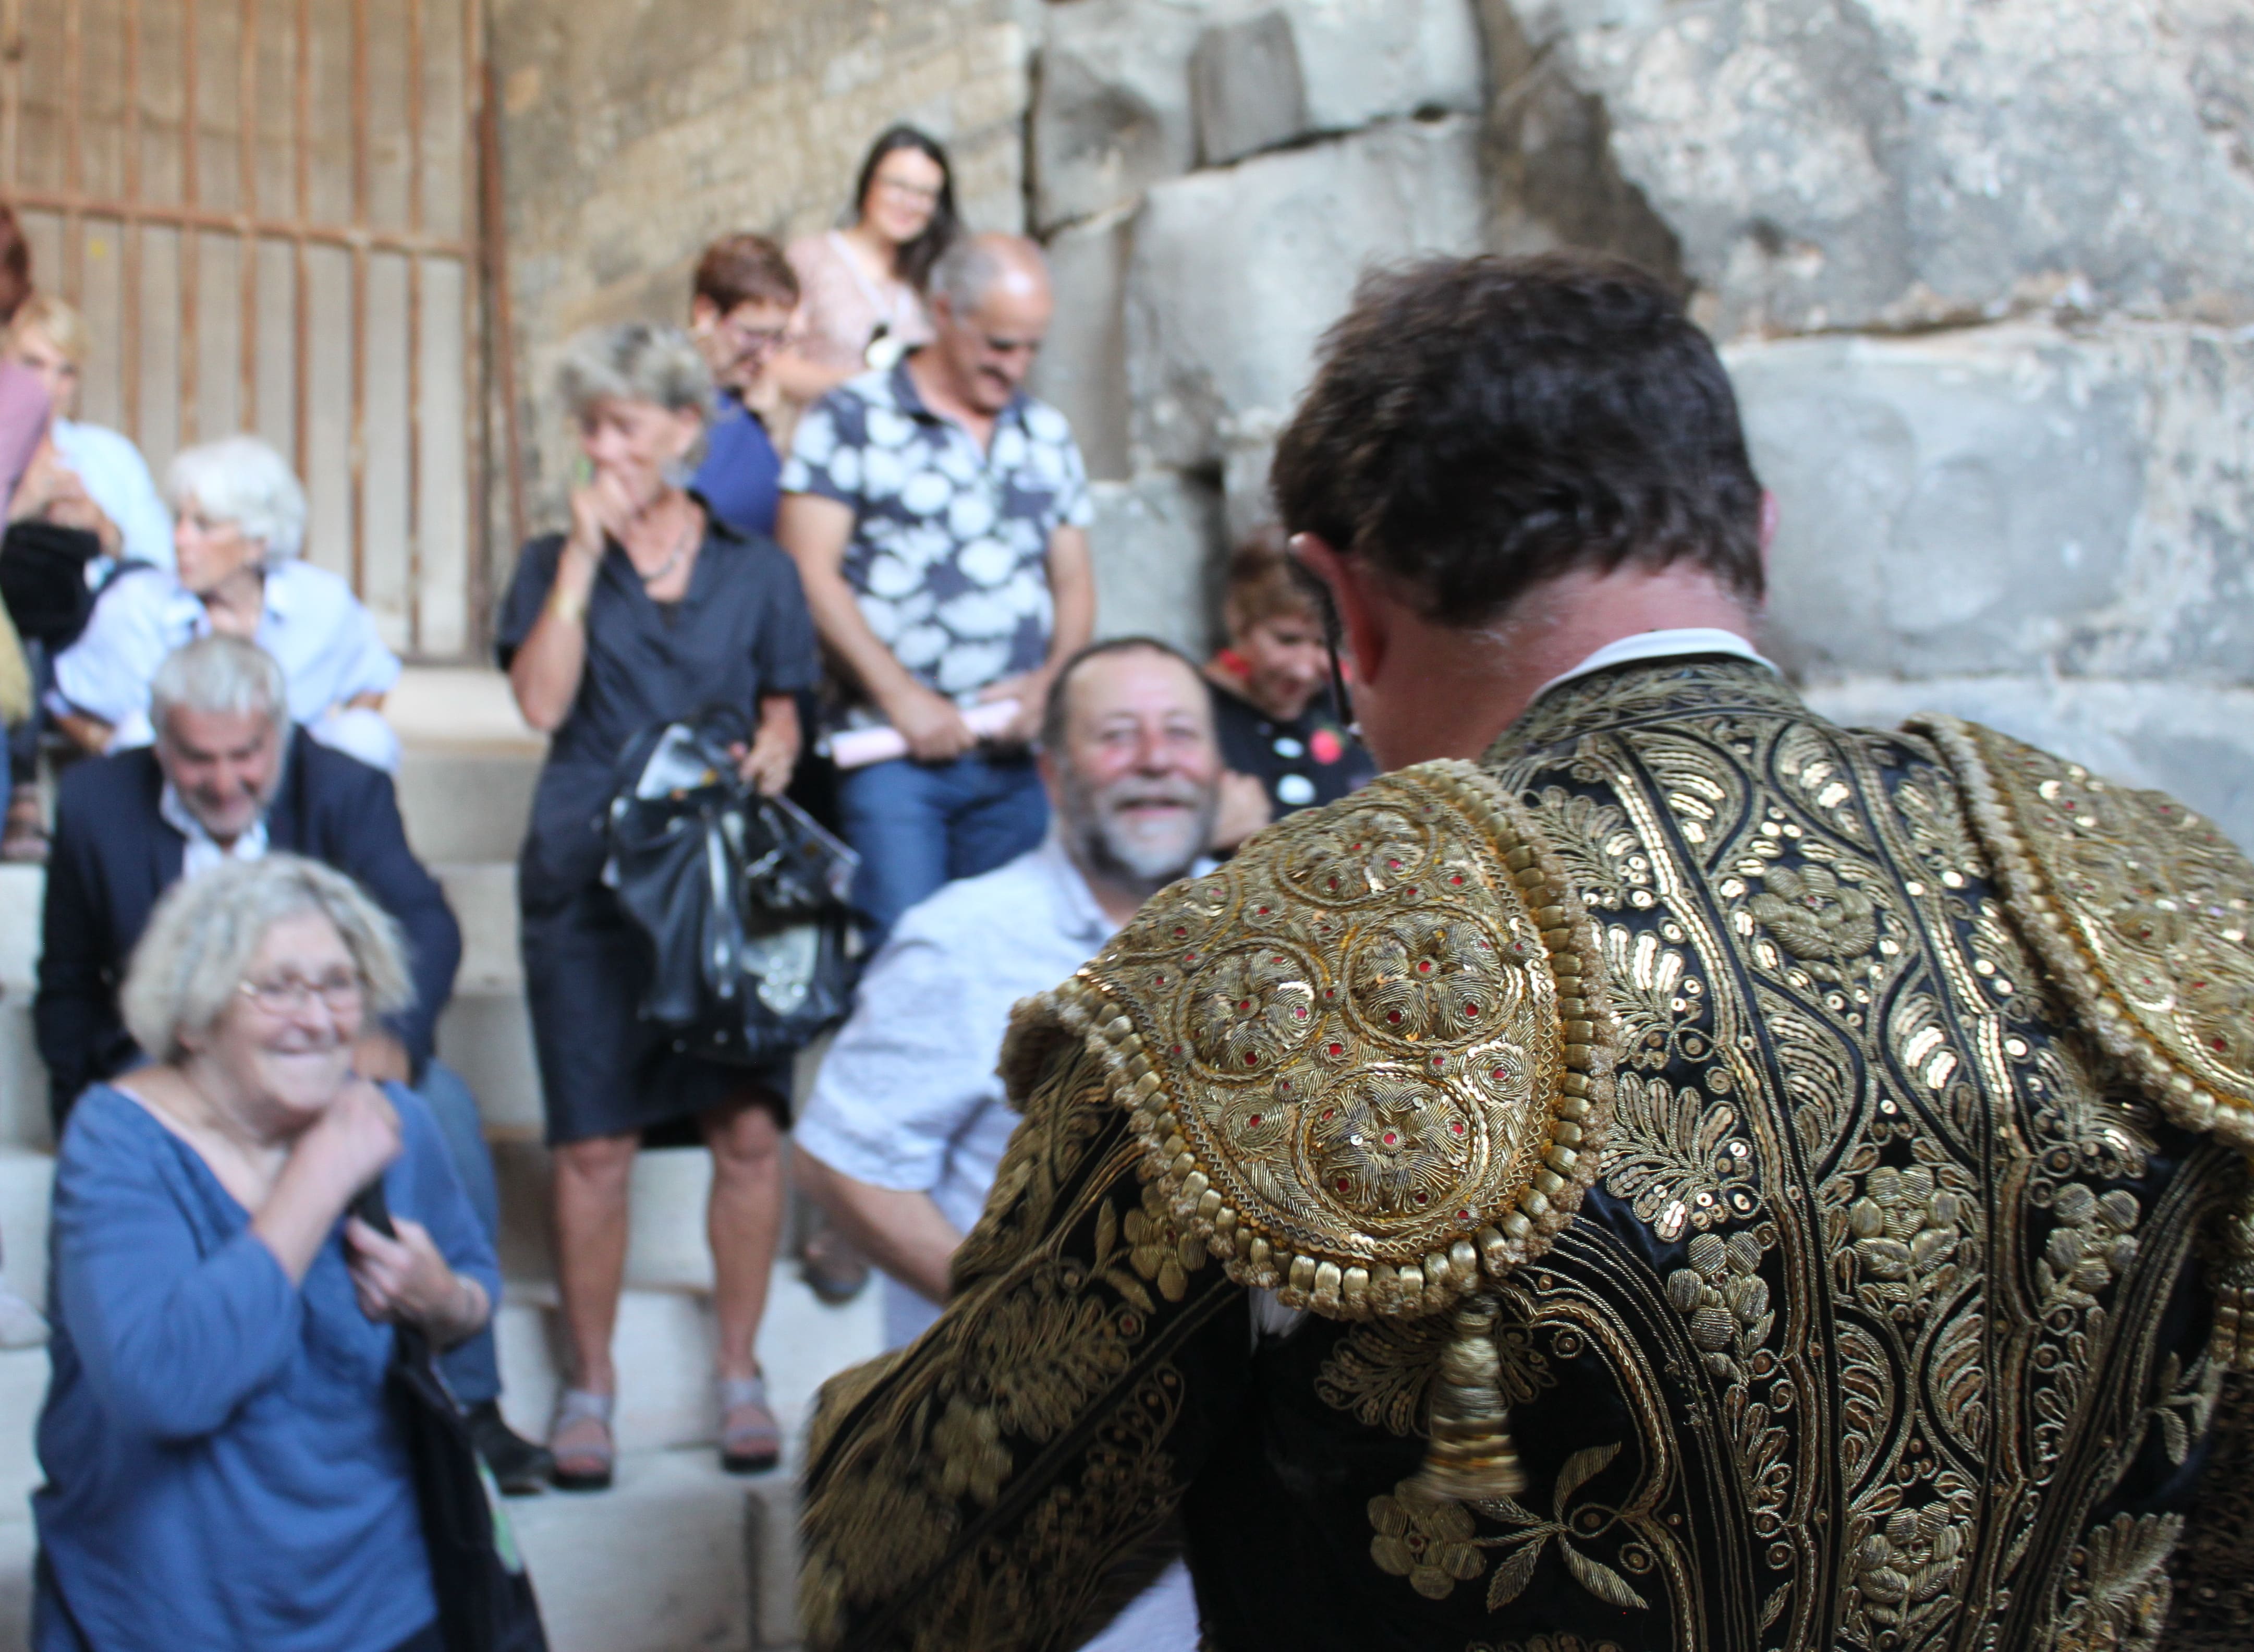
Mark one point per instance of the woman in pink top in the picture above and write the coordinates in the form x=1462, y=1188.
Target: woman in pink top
x=862, y=304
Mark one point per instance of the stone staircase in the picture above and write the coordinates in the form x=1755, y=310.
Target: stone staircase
x=677, y=1555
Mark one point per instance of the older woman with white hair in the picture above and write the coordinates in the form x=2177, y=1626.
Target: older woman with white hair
x=222, y=1469
x=649, y=610
x=239, y=527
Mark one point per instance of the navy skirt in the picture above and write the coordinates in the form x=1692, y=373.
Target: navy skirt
x=604, y=1070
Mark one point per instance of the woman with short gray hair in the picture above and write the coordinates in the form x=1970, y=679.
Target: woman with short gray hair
x=647, y=612
x=238, y=535
x=222, y=1467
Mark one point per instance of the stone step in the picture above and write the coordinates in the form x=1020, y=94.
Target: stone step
x=23, y=1390
x=27, y=1177
x=470, y=761
x=19, y=1544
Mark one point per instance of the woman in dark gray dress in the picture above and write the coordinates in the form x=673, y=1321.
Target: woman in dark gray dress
x=648, y=611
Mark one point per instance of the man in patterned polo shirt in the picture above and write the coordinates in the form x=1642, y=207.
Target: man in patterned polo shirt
x=938, y=516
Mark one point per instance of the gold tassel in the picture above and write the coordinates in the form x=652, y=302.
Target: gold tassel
x=1473, y=1455
x=2234, y=1287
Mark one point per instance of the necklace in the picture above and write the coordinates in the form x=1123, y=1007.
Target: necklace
x=683, y=542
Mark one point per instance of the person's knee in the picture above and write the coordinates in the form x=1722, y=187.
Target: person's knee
x=745, y=1141
x=605, y=1162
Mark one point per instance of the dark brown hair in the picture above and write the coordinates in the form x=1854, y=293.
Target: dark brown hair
x=1478, y=426
x=745, y=269
x=15, y=265
x=916, y=258
x=1265, y=584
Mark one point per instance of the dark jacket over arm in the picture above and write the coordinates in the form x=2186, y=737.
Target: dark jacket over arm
x=114, y=855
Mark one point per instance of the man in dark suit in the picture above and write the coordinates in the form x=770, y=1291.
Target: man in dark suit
x=231, y=778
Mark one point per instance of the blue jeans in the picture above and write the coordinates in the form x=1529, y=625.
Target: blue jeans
x=471, y=1369
x=919, y=825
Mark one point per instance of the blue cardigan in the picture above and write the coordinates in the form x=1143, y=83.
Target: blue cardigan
x=223, y=1471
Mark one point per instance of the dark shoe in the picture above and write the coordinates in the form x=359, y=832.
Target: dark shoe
x=23, y=837
x=750, y=1440
x=520, y=1467
x=832, y=1268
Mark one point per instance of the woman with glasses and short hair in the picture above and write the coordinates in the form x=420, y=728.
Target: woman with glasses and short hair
x=223, y=1471
x=739, y=314
x=863, y=287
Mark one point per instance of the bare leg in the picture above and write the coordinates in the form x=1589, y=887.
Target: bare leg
x=591, y=1178
x=744, y=1223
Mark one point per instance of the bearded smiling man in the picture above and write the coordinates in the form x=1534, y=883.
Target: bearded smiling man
x=908, y=1122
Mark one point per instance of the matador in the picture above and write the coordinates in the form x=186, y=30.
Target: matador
x=1654, y=1171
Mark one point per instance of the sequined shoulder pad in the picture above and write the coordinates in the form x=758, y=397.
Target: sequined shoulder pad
x=2139, y=909
x=1370, y=1058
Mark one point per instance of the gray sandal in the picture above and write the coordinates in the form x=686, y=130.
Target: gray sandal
x=751, y=1439
x=580, y=1438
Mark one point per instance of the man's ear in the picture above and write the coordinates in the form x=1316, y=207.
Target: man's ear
x=1361, y=607
x=702, y=312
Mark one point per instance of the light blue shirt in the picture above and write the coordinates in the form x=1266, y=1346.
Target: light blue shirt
x=325, y=641
x=907, y=1097
x=116, y=478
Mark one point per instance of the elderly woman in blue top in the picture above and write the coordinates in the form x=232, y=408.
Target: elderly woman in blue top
x=223, y=1472
x=239, y=525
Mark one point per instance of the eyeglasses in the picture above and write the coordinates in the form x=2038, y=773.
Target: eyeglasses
x=286, y=995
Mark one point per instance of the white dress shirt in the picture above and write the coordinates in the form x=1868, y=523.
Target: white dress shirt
x=323, y=638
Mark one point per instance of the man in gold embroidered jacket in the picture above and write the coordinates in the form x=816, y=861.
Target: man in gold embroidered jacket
x=1700, y=1178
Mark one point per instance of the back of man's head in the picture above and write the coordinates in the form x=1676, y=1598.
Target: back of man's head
x=1478, y=426
x=221, y=676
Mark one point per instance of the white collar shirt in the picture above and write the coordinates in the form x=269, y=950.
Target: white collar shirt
x=203, y=850
x=1674, y=643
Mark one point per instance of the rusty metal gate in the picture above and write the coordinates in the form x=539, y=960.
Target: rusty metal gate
x=268, y=211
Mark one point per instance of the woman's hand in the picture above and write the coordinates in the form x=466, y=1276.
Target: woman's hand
x=766, y=763
x=404, y=1280
x=355, y=1140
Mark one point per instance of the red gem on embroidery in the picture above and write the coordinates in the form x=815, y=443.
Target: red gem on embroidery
x=1393, y=865
x=1181, y=933
x=1458, y=1126
x=1392, y=1140
x=1243, y=1005
x=1264, y=912
x=1336, y=1049
x=1424, y=1198
x=1299, y=1014
x=1458, y=879
x=1471, y=1008
x=1499, y=1075
x=1343, y=1184
x=1412, y=891
x=1254, y=1121
x=1251, y=1058
x=1333, y=885
x=1425, y=967
x=1394, y=1016
x=1329, y=1113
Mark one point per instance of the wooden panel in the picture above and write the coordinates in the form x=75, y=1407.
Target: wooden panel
x=266, y=209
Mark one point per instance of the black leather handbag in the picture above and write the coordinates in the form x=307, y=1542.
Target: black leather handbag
x=744, y=898
x=486, y=1602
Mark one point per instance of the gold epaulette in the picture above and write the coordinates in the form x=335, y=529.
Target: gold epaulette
x=2143, y=915
x=1369, y=1061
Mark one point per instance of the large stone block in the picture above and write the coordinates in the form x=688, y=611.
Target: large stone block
x=2010, y=499
x=1155, y=542
x=2196, y=744
x=1847, y=163
x=1082, y=368
x=1236, y=272
x=1111, y=104
x=1309, y=67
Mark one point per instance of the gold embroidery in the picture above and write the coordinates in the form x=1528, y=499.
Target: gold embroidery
x=2143, y=911
x=1821, y=921
x=1676, y=1156
x=1382, y=1370
x=1545, y=1643
x=2117, y=1595
x=1370, y=1058
x=1437, y=1545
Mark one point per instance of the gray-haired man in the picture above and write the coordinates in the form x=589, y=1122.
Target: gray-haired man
x=230, y=778
x=937, y=513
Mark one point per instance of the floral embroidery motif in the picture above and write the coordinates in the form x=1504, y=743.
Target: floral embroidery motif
x=1817, y=919
x=1906, y=1234
x=1676, y=1156
x=2118, y=1592
x=1437, y=1545
x=2092, y=1245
